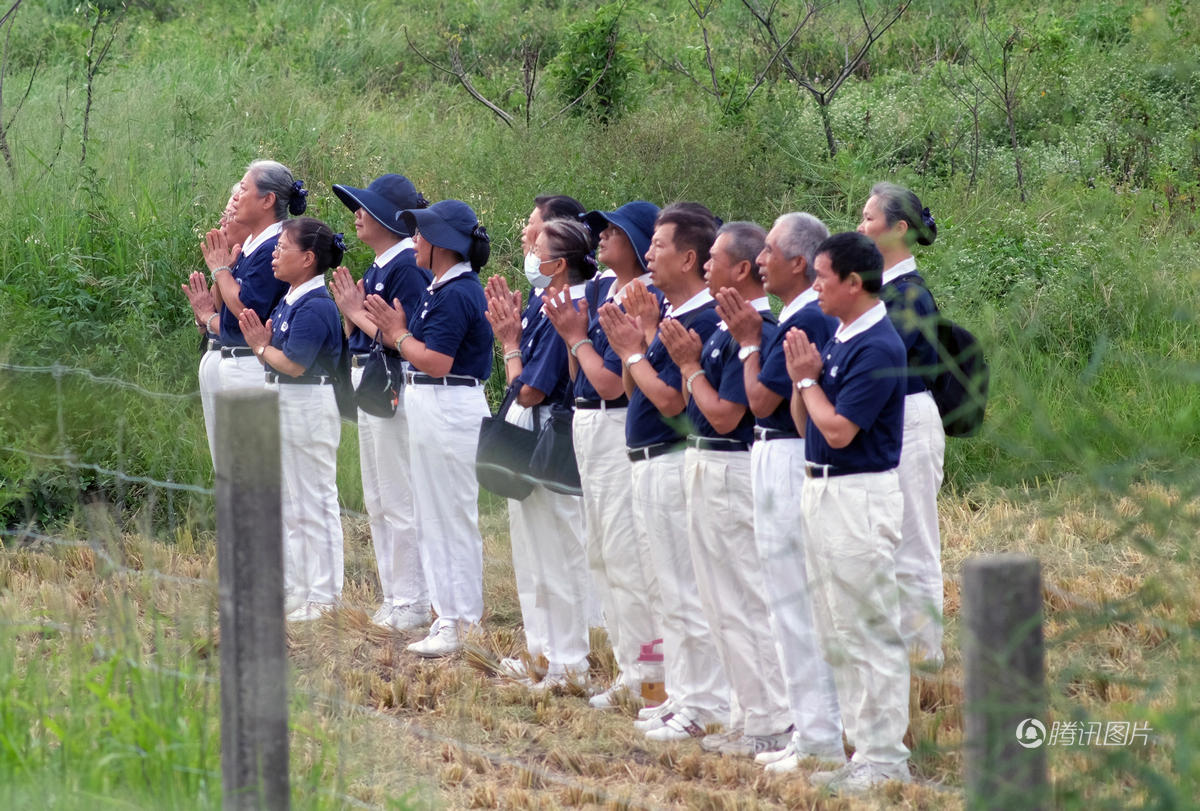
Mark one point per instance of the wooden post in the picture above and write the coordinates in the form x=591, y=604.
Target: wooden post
x=254, y=722
x=1005, y=683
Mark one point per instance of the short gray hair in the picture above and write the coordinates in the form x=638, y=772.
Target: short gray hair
x=273, y=176
x=745, y=243
x=801, y=234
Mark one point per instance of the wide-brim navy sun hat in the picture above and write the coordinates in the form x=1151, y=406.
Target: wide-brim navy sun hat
x=447, y=224
x=635, y=220
x=384, y=199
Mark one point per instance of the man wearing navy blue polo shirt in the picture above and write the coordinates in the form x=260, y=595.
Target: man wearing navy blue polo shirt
x=777, y=477
x=720, y=505
x=654, y=436
x=849, y=399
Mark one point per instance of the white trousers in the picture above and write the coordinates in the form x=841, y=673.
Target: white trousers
x=550, y=565
x=241, y=373
x=919, y=556
x=851, y=531
x=387, y=495
x=619, y=559
x=443, y=434
x=729, y=579
x=309, y=433
x=209, y=375
x=777, y=474
x=694, y=679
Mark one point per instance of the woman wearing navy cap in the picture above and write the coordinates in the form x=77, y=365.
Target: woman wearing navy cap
x=301, y=346
x=267, y=193
x=383, y=441
x=549, y=558
x=619, y=565
x=895, y=220
x=447, y=343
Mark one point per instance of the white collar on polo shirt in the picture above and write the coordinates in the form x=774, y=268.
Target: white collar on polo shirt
x=576, y=291
x=797, y=304
x=391, y=253
x=293, y=295
x=461, y=269
x=761, y=303
x=694, y=303
x=901, y=268
x=251, y=245
x=861, y=324
x=617, y=296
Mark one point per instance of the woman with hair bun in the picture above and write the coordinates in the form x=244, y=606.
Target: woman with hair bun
x=549, y=558
x=895, y=220
x=301, y=346
x=242, y=272
x=447, y=344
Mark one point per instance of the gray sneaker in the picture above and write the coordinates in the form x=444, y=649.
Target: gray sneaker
x=714, y=742
x=752, y=745
x=859, y=778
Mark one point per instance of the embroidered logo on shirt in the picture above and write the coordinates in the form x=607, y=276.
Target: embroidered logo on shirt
x=715, y=353
x=833, y=372
x=524, y=323
x=378, y=285
x=283, y=327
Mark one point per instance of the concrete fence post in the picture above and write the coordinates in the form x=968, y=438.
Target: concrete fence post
x=1005, y=683
x=254, y=721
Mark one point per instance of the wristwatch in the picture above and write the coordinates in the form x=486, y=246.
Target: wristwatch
x=806, y=383
x=747, y=351
x=634, y=358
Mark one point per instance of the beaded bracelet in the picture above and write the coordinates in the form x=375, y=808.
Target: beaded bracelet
x=577, y=344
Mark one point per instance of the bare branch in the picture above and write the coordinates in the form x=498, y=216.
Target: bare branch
x=457, y=71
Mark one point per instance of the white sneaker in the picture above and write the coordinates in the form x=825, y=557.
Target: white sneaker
x=309, y=611
x=677, y=728
x=859, y=777
x=382, y=613
x=442, y=641
x=765, y=758
x=407, y=617
x=797, y=751
x=566, y=681
x=646, y=713
x=291, y=601
x=613, y=697
x=655, y=720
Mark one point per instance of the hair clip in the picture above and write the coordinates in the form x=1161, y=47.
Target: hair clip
x=480, y=232
x=298, y=188
x=339, y=242
x=926, y=217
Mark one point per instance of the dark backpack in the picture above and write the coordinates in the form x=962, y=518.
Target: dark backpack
x=959, y=382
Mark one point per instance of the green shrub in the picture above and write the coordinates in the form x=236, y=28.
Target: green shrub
x=594, y=70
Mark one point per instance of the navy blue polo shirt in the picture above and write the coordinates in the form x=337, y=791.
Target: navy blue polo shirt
x=543, y=353
x=723, y=370
x=864, y=379
x=644, y=424
x=910, y=307
x=773, y=372
x=309, y=331
x=260, y=290
x=450, y=319
x=399, y=278
x=597, y=297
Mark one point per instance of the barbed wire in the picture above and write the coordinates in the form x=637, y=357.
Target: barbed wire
x=58, y=370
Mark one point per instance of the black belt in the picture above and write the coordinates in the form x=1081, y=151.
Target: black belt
x=767, y=434
x=418, y=379
x=651, y=451
x=708, y=444
x=319, y=380
x=237, y=352
x=214, y=344
x=827, y=471
x=600, y=405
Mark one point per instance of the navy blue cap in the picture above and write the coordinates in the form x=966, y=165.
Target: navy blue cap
x=447, y=224
x=635, y=220
x=384, y=199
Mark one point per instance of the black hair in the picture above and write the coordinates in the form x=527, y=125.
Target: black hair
x=899, y=203
x=571, y=240
x=852, y=252
x=313, y=235
x=695, y=229
x=273, y=177
x=480, y=248
x=558, y=207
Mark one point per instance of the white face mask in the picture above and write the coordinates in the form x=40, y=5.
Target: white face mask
x=533, y=272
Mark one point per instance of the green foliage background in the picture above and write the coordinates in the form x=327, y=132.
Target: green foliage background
x=1085, y=295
